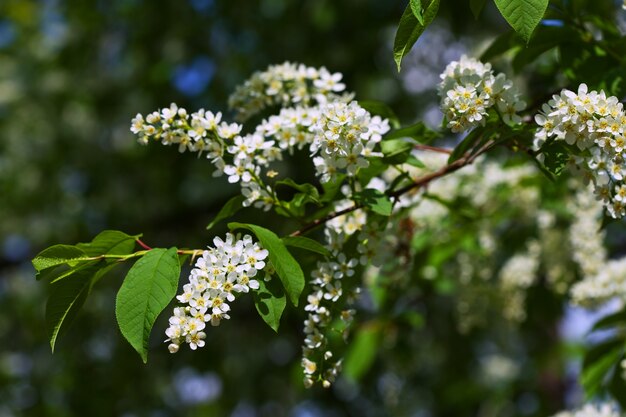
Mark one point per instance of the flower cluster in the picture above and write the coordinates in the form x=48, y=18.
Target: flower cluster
x=345, y=135
x=516, y=276
x=596, y=124
x=325, y=297
x=228, y=268
x=469, y=89
x=285, y=84
x=591, y=410
x=202, y=131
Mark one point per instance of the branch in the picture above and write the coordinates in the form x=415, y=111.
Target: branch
x=467, y=159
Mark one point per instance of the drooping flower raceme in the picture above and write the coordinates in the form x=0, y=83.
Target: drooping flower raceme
x=469, y=89
x=345, y=135
x=223, y=271
x=340, y=134
x=285, y=84
x=596, y=124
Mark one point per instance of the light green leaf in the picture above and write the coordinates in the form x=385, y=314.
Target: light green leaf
x=396, y=151
x=523, y=15
x=66, y=298
x=287, y=268
x=375, y=201
x=595, y=373
x=418, y=132
x=362, y=352
x=477, y=7
x=110, y=242
x=270, y=302
x=416, y=8
x=147, y=289
x=410, y=29
x=306, y=244
x=231, y=207
x=59, y=255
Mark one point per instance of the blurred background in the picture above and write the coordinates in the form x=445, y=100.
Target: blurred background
x=72, y=75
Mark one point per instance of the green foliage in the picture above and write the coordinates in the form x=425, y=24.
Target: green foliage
x=362, y=352
x=66, y=299
x=147, y=289
x=410, y=29
x=231, y=207
x=305, y=243
x=523, y=15
x=417, y=131
x=375, y=201
x=287, y=268
x=270, y=302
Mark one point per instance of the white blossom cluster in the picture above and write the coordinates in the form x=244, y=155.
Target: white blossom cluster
x=345, y=135
x=469, y=89
x=516, y=276
x=227, y=269
x=326, y=299
x=202, y=131
x=592, y=410
x=286, y=84
x=596, y=124
x=339, y=134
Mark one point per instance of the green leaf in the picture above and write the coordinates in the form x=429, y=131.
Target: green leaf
x=610, y=321
x=362, y=352
x=59, y=255
x=416, y=8
x=477, y=6
x=287, y=268
x=231, y=207
x=66, y=298
x=594, y=373
x=375, y=201
x=410, y=29
x=148, y=288
x=306, y=188
x=414, y=161
x=381, y=109
x=396, y=151
x=270, y=302
x=523, y=15
x=110, y=242
x=418, y=131
x=306, y=244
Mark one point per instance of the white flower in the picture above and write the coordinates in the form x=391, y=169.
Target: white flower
x=221, y=271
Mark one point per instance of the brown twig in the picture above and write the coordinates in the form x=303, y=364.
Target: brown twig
x=432, y=148
x=467, y=159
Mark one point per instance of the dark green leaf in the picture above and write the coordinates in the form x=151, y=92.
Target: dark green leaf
x=477, y=7
x=523, y=15
x=110, y=242
x=418, y=131
x=270, y=302
x=594, y=373
x=612, y=320
x=66, y=298
x=375, y=201
x=410, y=29
x=231, y=207
x=148, y=288
x=287, y=268
x=306, y=244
